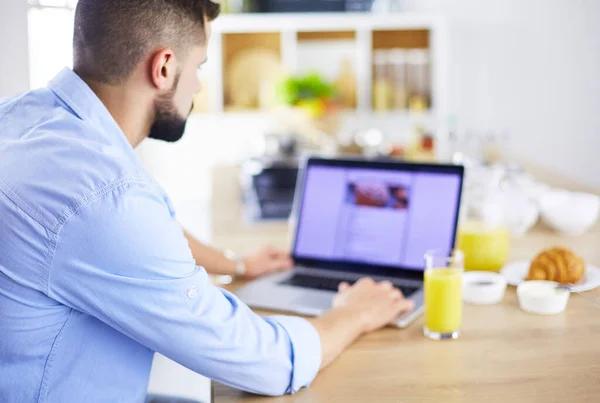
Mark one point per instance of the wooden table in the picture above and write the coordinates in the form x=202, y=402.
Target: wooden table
x=503, y=355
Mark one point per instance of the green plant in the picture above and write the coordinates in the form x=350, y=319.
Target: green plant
x=293, y=90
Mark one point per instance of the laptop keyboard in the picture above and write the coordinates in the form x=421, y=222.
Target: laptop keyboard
x=331, y=284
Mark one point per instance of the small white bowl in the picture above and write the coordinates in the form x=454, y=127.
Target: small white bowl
x=569, y=213
x=483, y=288
x=542, y=297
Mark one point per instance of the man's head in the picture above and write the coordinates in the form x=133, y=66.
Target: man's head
x=154, y=46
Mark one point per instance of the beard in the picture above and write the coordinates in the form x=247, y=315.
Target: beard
x=168, y=124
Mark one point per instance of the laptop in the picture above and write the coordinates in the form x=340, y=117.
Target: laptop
x=357, y=218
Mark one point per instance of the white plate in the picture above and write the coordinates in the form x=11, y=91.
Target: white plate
x=516, y=272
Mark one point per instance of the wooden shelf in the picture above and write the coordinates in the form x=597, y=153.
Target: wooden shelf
x=237, y=42
x=406, y=39
x=325, y=35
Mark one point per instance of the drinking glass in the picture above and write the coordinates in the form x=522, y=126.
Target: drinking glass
x=443, y=294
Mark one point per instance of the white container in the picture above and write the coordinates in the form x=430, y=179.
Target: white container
x=542, y=297
x=570, y=213
x=483, y=288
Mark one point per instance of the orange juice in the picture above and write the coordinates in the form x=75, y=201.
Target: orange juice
x=443, y=300
x=485, y=247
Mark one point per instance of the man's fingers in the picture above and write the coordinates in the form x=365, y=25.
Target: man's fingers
x=404, y=305
x=386, y=285
x=343, y=286
x=395, y=294
x=280, y=264
x=286, y=263
x=276, y=252
x=366, y=280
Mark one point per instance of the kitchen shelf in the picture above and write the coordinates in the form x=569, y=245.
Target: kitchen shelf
x=286, y=33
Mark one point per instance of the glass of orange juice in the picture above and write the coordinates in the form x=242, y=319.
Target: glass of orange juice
x=443, y=294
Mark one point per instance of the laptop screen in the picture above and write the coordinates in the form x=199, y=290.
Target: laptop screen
x=385, y=214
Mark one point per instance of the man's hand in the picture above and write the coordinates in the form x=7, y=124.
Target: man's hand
x=266, y=261
x=374, y=304
x=358, y=309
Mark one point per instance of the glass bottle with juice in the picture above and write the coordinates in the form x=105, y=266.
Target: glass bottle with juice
x=485, y=246
x=484, y=236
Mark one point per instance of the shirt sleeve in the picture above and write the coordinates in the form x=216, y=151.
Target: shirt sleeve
x=123, y=259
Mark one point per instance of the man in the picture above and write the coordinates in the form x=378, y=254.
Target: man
x=95, y=273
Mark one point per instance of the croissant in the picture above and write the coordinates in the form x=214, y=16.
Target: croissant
x=557, y=264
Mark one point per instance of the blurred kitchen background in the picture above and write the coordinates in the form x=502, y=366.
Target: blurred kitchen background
x=487, y=83
x=497, y=85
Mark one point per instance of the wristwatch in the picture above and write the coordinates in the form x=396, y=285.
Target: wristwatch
x=240, y=266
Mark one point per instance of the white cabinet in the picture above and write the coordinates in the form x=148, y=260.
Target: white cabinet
x=290, y=39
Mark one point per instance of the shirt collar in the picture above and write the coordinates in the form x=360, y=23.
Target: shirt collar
x=80, y=98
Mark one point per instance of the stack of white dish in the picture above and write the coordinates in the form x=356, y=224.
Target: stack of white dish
x=569, y=213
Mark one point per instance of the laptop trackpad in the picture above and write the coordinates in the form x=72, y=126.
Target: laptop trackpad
x=315, y=303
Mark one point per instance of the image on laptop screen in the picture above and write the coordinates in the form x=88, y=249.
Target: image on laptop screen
x=379, y=217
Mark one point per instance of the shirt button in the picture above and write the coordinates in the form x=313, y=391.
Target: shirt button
x=192, y=292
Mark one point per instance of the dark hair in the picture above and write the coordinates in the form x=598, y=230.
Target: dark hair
x=112, y=36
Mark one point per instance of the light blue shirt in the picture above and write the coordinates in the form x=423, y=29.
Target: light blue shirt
x=96, y=275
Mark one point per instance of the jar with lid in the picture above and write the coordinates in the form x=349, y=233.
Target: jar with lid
x=418, y=72
x=398, y=67
x=483, y=233
x=382, y=84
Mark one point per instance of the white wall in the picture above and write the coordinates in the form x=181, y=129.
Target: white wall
x=14, y=64
x=532, y=67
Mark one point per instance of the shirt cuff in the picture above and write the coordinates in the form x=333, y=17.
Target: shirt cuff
x=306, y=350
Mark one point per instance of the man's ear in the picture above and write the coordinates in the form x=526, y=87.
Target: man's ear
x=163, y=69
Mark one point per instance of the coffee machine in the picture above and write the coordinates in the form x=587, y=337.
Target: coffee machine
x=269, y=181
